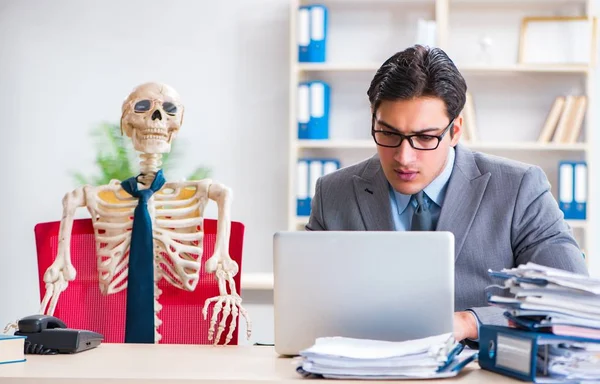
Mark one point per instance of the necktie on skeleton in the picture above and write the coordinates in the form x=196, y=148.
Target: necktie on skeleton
x=421, y=220
x=139, y=319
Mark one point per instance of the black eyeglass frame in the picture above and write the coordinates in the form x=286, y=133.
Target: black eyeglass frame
x=409, y=137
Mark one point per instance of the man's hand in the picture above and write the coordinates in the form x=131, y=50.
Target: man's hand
x=465, y=326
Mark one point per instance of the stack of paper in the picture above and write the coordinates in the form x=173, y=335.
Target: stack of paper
x=341, y=357
x=571, y=360
x=558, y=301
x=548, y=300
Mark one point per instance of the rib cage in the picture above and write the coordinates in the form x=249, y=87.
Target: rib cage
x=179, y=232
x=177, y=214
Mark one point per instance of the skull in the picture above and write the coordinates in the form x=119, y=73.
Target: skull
x=151, y=116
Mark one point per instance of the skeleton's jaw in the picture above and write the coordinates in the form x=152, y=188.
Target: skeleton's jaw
x=152, y=140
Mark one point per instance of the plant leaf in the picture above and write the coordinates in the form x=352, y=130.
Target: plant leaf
x=115, y=157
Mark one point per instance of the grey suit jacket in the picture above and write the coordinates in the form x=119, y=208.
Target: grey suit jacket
x=500, y=211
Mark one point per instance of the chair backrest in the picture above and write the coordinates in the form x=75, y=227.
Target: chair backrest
x=82, y=306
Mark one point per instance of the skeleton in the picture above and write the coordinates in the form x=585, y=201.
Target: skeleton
x=152, y=116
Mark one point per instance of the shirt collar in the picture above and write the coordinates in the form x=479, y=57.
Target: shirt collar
x=436, y=190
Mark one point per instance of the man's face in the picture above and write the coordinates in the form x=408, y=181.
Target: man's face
x=409, y=170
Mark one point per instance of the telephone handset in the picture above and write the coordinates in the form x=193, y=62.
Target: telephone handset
x=50, y=335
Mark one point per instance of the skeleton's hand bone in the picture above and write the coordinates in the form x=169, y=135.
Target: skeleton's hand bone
x=229, y=304
x=57, y=278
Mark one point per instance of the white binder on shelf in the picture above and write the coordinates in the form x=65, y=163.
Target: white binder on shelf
x=312, y=33
x=572, y=189
x=313, y=110
x=309, y=171
x=302, y=189
x=303, y=110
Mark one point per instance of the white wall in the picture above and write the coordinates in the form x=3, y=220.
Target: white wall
x=66, y=65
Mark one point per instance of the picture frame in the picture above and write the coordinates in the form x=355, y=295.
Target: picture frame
x=572, y=40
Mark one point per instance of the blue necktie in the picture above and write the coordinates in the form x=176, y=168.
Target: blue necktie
x=139, y=320
x=421, y=220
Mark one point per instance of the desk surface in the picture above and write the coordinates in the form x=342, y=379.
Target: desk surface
x=138, y=363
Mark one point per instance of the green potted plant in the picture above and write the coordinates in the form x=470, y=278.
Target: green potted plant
x=117, y=159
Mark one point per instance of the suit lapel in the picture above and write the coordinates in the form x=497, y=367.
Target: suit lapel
x=463, y=197
x=372, y=196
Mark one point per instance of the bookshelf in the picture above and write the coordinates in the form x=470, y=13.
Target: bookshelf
x=512, y=100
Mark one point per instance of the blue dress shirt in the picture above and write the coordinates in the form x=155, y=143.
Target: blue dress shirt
x=403, y=206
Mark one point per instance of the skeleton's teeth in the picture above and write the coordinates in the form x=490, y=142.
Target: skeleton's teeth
x=153, y=137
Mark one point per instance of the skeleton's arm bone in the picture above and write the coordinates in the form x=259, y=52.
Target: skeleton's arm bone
x=61, y=271
x=222, y=196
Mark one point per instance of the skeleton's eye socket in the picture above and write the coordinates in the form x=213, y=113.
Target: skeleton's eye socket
x=170, y=108
x=142, y=106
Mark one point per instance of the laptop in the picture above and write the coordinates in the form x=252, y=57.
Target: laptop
x=388, y=285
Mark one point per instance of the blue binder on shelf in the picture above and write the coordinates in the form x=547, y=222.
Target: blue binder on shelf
x=572, y=189
x=309, y=171
x=313, y=110
x=521, y=354
x=303, y=110
x=312, y=33
x=303, y=199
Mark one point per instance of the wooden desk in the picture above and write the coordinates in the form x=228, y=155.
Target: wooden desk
x=164, y=363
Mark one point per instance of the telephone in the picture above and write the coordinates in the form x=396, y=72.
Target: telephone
x=48, y=335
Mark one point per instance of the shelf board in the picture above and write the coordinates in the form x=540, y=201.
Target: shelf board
x=335, y=143
x=527, y=146
x=257, y=281
x=466, y=68
x=523, y=68
x=577, y=223
x=341, y=67
x=512, y=3
x=369, y=144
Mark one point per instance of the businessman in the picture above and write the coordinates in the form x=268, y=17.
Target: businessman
x=500, y=211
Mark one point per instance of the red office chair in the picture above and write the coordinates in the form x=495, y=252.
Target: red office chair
x=82, y=306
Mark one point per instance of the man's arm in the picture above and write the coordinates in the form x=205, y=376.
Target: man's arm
x=315, y=221
x=539, y=234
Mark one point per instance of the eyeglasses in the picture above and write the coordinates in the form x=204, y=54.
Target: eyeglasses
x=418, y=141
x=147, y=104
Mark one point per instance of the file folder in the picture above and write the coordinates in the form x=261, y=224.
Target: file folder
x=302, y=197
x=580, y=191
x=309, y=171
x=303, y=110
x=319, y=110
x=312, y=33
x=330, y=165
x=572, y=189
x=313, y=110
x=521, y=354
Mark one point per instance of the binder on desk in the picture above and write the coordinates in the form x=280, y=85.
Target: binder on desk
x=313, y=110
x=572, y=189
x=312, y=33
x=536, y=356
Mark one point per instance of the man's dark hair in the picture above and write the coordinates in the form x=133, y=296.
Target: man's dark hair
x=419, y=71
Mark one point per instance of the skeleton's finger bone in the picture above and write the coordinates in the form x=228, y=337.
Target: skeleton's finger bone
x=206, y=304
x=223, y=322
x=248, y=322
x=213, y=320
x=232, y=323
